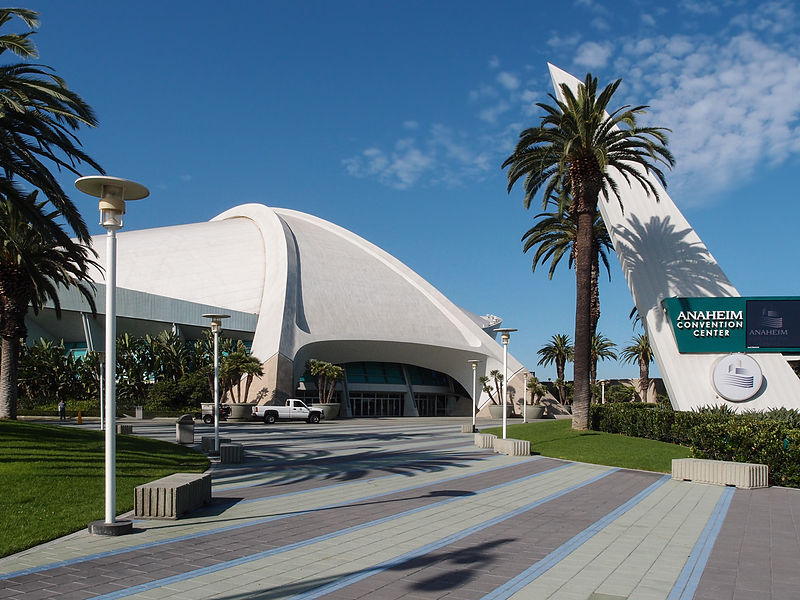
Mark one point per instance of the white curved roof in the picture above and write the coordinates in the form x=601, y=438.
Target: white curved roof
x=313, y=284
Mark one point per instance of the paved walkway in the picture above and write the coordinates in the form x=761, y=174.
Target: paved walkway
x=394, y=508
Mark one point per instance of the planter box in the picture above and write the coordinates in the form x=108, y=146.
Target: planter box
x=719, y=472
x=512, y=447
x=172, y=496
x=534, y=411
x=485, y=440
x=496, y=411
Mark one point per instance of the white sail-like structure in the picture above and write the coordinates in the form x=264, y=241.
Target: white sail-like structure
x=662, y=257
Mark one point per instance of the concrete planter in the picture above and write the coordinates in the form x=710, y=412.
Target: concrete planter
x=535, y=411
x=496, y=411
x=241, y=412
x=329, y=410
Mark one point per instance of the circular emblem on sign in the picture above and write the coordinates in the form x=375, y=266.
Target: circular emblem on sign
x=737, y=377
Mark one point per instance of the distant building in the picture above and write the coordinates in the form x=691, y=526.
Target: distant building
x=297, y=287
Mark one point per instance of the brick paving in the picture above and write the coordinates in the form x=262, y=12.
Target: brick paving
x=396, y=508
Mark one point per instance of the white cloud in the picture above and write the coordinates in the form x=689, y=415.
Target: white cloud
x=557, y=41
x=494, y=62
x=410, y=124
x=186, y=177
x=732, y=104
x=490, y=114
x=593, y=55
x=401, y=168
x=508, y=80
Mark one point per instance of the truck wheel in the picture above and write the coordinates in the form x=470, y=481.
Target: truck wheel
x=208, y=419
x=270, y=418
x=313, y=418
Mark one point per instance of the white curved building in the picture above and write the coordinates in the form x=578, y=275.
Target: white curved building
x=299, y=287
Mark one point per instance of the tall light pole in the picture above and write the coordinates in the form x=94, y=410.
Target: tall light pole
x=113, y=192
x=216, y=329
x=505, y=335
x=525, y=399
x=102, y=411
x=474, y=364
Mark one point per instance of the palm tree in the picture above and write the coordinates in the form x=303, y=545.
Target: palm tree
x=38, y=117
x=558, y=351
x=574, y=150
x=235, y=366
x=640, y=352
x=601, y=349
x=33, y=267
x=554, y=235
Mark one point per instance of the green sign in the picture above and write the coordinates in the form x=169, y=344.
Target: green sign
x=725, y=325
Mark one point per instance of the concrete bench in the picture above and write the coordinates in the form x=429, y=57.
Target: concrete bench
x=231, y=453
x=512, y=447
x=485, y=440
x=719, y=472
x=208, y=442
x=125, y=429
x=467, y=428
x=172, y=496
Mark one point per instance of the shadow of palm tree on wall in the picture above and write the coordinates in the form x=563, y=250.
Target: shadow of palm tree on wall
x=660, y=261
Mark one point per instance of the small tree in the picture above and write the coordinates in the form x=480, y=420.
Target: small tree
x=326, y=375
x=640, y=352
x=558, y=351
x=536, y=390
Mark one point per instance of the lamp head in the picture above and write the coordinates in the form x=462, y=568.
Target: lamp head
x=216, y=321
x=474, y=362
x=505, y=334
x=113, y=192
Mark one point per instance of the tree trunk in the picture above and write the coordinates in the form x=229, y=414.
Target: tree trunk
x=595, y=311
x=644, y=379
x=247, y=386
x=8, y=378
x=583, y=325
x=562, y=390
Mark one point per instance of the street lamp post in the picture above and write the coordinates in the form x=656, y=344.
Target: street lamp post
x=113, y=192
x=525, y=398
x=474, y=364
x=505, y=335
x=102, y=375
x=216, y=329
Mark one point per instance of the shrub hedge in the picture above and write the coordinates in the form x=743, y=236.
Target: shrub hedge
x=763, y=438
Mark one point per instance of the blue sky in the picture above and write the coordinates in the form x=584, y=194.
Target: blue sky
x=392, y=119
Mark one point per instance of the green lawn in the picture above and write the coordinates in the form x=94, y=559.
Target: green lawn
x=558, y=440
x=52, y=478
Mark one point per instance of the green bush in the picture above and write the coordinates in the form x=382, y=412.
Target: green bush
x=712, y=433
x=188, y=392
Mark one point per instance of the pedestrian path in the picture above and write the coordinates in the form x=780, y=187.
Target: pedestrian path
x=412, y=509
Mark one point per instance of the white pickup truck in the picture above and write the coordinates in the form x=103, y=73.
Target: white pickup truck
x=293, y=409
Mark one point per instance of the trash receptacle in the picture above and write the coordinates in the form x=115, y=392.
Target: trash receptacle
x=139, y=412
x=184, y=430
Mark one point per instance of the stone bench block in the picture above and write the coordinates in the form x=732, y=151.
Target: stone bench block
x=485, y=440
x=512, y=447
x=125, y=429
x=466, y=428
x=208, y=442
x=231, y=453
x=172, y=496
x=719, y=472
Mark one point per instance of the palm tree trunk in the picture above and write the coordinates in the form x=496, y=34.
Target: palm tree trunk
x=8, y=378
x=595, y=291
x=247, y=386
x=644, y=379
x=583, y=317
x=562, y=390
